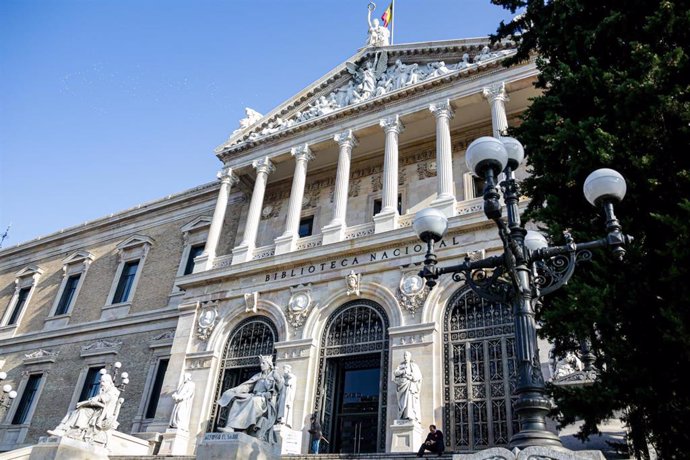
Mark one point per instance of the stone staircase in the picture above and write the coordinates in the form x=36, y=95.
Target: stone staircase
x=384, y=456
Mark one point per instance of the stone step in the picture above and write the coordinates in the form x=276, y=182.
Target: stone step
x=383, y=456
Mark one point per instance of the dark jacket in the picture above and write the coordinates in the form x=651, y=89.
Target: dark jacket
x=315, y=430
x=436, y=439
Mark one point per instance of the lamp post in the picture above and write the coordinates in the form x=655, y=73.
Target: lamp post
x=8, y=393
x=528, y=268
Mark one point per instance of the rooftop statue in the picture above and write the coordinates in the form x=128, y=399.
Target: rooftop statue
x=252, y=116
x=378, y=34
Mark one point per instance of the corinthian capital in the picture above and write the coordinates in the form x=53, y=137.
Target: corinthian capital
x=495, y=92
x=392, y=123
x=346, y=138
x=302, y=153
x=263, y=165
x=226, y=176
x=442, y=109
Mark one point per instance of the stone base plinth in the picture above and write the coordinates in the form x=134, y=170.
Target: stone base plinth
x=543, y=453
x=61, y=448
x=174, y=442
x=290, y=440
x=332, y=233
x=406, y=436
x=285, y=244
x=385, y=222
x=235, y=446
x=242, y=254
x=124, y=444
x=446, y=205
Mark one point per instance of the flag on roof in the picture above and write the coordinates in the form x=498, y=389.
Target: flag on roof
x=387, y=15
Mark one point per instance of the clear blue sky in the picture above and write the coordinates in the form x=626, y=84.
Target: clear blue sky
x=105, y=104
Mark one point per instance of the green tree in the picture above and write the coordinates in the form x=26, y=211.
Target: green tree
x=615, y=77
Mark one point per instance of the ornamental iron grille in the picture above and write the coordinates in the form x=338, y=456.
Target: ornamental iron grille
x=357, y=332
x=252, y=337
x=479, y=373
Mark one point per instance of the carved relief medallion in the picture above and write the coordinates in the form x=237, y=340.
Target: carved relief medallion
x=208, y=317
x=412, y=291
x=299, y=305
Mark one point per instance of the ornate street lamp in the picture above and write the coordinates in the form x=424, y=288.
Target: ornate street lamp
x=8, y=394
x=528, y=268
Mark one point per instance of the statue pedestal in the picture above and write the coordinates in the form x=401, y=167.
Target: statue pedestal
x=231, y=446
x=406, y=436
x=290, y=440
x=62, y=448
x=174, y=442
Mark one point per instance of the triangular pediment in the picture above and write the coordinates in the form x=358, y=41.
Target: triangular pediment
x=31, y=270
x=135, y=241
x=373, y=74
x=77, y=257
x=197, y=224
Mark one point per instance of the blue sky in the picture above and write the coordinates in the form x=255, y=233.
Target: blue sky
x=105, y=104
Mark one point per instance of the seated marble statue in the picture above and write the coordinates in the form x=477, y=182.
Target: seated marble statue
x=253, y=405
x=92, y=417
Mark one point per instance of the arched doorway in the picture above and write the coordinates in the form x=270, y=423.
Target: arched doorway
x=353, y=378
x=251, y=337
x=479, y=373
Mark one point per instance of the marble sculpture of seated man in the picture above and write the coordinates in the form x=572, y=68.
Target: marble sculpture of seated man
x=253, y=405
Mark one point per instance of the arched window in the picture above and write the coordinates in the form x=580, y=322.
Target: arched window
x=479, y=373
x=252, y=337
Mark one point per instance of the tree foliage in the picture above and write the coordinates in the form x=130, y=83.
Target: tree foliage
x=615, y=78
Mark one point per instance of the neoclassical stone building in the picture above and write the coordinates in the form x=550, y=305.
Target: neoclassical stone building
x=303, y=250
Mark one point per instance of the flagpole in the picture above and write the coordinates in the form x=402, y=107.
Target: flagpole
x=392, y=21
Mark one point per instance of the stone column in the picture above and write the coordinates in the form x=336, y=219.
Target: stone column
x=245, y=250
x=445, y=199
x=335, y=230
x=205, y=260
x=497, y=97
x=286, y=241
x=387, y=219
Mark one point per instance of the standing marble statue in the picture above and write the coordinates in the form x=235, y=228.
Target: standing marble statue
x=287, y=396
x=92, y=417
x=183, y=403
x=254, y=403
x=408, y=381
x=378, y=35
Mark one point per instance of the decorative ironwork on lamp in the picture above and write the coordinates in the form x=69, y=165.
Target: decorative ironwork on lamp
x=528, y=268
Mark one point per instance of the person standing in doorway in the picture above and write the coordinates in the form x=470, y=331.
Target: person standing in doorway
x=315, y=434
x=433, y=443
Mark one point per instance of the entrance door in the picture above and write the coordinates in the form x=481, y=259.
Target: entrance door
x=356, y=404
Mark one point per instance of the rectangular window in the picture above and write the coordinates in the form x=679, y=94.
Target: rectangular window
x=19, y=305
x=306, y=226
x=124, y=286
x=194, y=252
x=27, y=399
x=156, y=388
x=68, y=294
x=378, y=204
x=92, y=383
x=479, y=185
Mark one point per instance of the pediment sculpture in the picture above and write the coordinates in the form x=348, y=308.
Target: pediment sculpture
x=372, y=78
